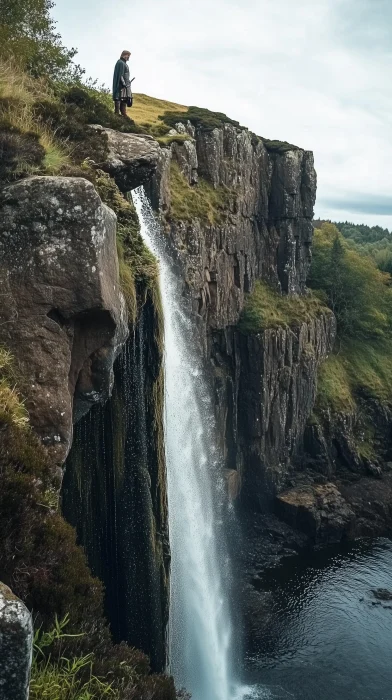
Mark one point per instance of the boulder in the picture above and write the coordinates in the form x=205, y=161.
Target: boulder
x=16, y=644
x=62, y=312
x=132, y=158
x=317, y=509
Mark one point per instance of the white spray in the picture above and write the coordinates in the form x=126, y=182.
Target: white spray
x=200, y=634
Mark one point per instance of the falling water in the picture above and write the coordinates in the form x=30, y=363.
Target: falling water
x=200, y=633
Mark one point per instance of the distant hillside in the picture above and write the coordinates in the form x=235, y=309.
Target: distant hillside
x=368, y=240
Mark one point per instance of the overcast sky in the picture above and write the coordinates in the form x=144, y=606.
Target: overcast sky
x=316, y=73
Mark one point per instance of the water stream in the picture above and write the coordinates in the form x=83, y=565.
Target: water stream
x=200, y=631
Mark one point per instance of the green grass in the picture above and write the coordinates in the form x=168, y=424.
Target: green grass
x=12, y=408
x=146, y=111
x=264, y=308
x=56, y=677
x=202, y=201
x=357, y=369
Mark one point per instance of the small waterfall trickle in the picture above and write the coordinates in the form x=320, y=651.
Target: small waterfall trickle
x=200, y=631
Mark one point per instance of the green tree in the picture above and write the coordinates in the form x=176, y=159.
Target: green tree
x=28, y=32
x=359, y=294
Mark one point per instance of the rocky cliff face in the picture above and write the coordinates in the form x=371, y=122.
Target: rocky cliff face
x=265, y=383
x=63, y=315
x=89, y=368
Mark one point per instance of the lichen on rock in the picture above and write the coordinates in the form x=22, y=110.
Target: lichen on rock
x=16, y=646
x=63, y=314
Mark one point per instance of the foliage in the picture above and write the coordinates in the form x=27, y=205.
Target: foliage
x=201, y=118
x=361, y=297
x=373, y=241
x=28, y=32
x=61, y=672
x=56, y=677
x=12, y=408
x=357, y=292
x=201, y=201
x=278, y=146
x=266, y=308
x=27, y=145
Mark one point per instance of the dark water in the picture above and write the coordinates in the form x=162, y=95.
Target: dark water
x=329, y=637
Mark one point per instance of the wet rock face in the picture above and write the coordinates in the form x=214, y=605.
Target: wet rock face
x=62, y=313
x=318, y=509
x=132, y=158
x=16, y=644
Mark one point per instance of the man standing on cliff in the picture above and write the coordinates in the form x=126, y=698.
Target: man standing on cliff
x=122, y=94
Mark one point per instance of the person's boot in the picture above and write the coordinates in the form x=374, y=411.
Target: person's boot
x=117, y=106
x=123, y=109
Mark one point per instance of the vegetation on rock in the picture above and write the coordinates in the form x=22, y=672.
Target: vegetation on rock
x=202, y=201
x=201, y=118
x=12, y=408
x=360, y=296
x=278, y=146
x=265, y=308
x=61, y=671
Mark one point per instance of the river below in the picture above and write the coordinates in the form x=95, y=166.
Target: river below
x=329, y=635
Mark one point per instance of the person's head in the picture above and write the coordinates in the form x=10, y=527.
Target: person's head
x=125, y=55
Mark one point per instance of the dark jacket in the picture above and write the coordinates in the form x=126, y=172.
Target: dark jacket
x=120, y=78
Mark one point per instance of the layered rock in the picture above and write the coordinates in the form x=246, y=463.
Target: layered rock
x=62, y=311
x=266, y=233
x=265, y=384
x=266, y=387
x=16, y=646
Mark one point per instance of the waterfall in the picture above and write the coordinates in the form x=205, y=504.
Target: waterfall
x=200, y=632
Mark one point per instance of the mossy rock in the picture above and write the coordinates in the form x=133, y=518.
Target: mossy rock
x=202, y=119
x=279, y=147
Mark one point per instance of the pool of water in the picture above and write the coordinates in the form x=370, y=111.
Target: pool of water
x=329, y=637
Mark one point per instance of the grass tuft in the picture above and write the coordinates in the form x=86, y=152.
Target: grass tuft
x=264, y=308
x=12, y=408
x=201, y=201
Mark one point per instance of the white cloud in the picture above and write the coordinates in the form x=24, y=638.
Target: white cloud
x=311, y=73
